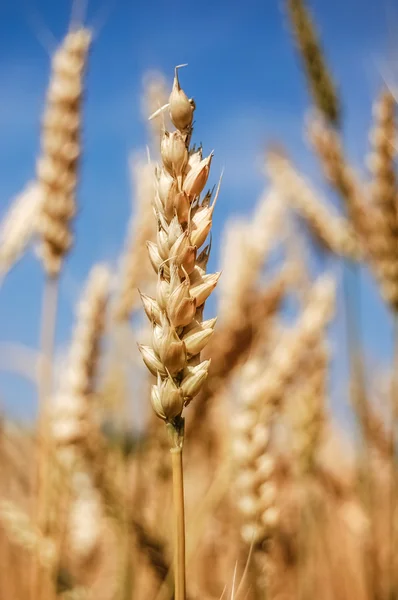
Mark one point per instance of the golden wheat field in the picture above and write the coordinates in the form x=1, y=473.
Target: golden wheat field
x=237, y=480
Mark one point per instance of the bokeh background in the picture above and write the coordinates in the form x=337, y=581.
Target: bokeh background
x=246, y=80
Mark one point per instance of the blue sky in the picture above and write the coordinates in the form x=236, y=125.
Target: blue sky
x=245, y=77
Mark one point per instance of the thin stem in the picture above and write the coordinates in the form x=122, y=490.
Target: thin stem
x=352, y=302
x=394, y=463
x=48, y=325
x=353, y=335
x=179, y=523
x=214, y=496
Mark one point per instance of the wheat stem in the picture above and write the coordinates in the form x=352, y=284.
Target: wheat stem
x=393, y=458
x=179, y=522
x=48, y=325
x=352, y=302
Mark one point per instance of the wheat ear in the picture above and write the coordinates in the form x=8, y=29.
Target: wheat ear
x=245, y=248
x=179, y=332
x=328, y=146
x=57, y=168
x=383, y=243
x=255, y=462
x=294, y=342
x=262, y=394
x=319, y=79
x=307, y=405
x=334, y=232
x=18, y=226
x=23, y=533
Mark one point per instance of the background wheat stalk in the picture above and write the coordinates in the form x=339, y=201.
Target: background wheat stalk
x=57, y=175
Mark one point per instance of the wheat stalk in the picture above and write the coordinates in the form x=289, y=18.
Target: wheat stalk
x=179, y=332
x=57, y=175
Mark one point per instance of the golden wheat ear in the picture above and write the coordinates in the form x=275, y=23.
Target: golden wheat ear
x=179, y=334
x=19, y=226
x=319, y=79
x=57, y=168
x=383, y=189
x=332, y=231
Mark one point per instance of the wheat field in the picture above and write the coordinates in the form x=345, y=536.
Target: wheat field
x=237, y=481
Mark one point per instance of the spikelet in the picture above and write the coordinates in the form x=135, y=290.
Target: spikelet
x=383, y=243
x=18, y=226
x=133, y=271
x=333, y=232
x=319, y=79
x=183, y=224
x=57, y=169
